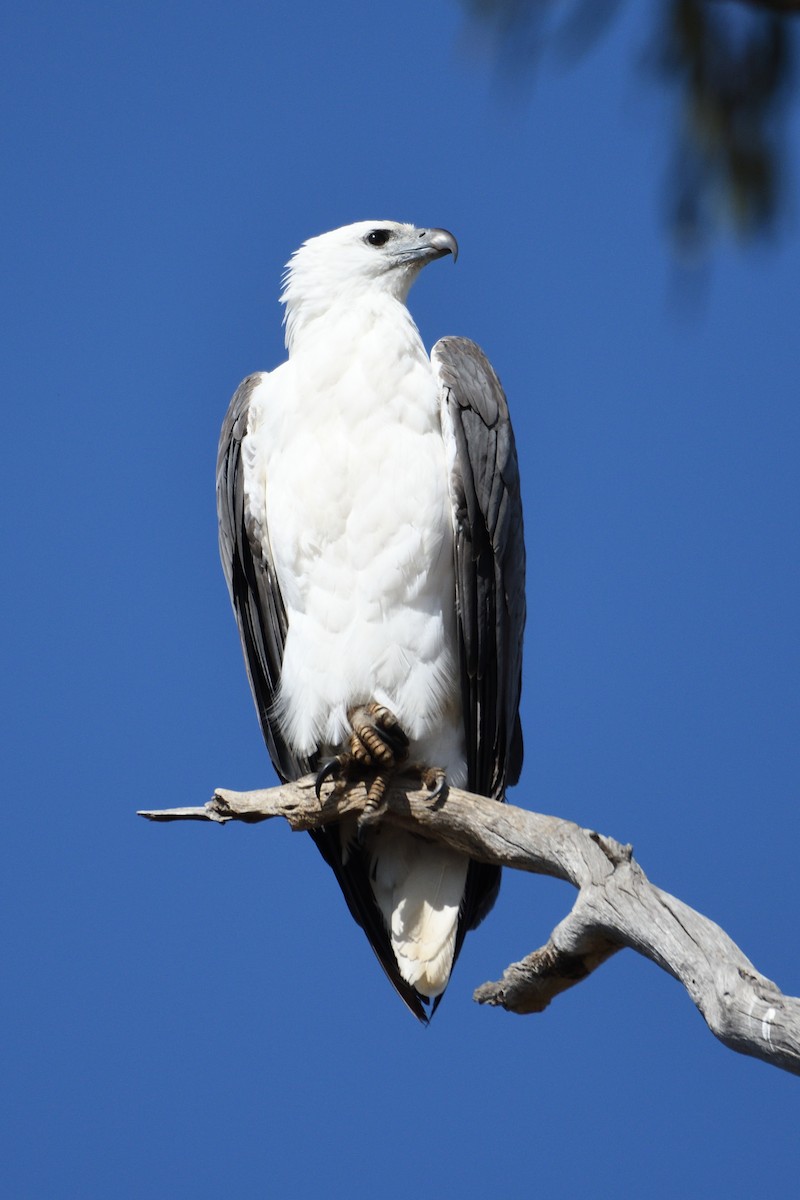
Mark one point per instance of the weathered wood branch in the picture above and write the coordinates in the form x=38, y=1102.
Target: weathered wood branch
x=616, y=906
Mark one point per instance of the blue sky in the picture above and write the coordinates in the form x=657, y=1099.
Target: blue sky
x=189, y=1011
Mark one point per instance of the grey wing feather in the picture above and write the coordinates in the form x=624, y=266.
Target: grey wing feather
x=490, y=561
x=490, y=581
x=252, y=583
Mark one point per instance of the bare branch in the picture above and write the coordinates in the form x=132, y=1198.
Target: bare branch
x=616, y=906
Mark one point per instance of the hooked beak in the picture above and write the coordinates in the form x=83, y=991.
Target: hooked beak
x=440, y=242
x=424, y=245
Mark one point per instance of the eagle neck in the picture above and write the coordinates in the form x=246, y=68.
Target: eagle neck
x=347, y=319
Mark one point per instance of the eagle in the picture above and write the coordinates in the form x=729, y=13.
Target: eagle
x=371, y=536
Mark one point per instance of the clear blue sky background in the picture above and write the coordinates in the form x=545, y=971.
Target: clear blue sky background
x=189, y=1011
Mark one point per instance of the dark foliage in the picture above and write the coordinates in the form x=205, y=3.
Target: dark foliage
x=730, y=64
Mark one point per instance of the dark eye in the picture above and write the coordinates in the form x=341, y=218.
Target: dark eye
x=378, y=237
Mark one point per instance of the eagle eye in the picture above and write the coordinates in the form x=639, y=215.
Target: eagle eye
x=378, y=237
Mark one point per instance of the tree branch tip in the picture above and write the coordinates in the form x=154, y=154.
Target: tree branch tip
x=209, y=812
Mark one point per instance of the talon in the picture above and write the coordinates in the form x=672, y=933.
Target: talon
x=435, y=781
x=327, y=771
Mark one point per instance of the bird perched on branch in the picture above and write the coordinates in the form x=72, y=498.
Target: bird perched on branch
x=371, y=537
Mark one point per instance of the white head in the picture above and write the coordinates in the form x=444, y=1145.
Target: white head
x=350, y=263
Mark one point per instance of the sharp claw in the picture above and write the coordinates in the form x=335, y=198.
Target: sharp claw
x=439, y=787
x=326, y=771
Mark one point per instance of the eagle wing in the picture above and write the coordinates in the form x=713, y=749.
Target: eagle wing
x=490, y=582
x=252, y=583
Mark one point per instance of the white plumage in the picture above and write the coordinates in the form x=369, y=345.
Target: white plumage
x=346, y=469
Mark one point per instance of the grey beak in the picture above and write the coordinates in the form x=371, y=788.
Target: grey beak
x=440, y=240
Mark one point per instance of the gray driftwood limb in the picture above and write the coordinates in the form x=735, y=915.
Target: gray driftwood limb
x=616, y=906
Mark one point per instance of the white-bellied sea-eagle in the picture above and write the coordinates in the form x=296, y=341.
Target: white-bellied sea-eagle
x=371, y=537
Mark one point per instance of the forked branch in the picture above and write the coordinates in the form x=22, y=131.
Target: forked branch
x=616, y=906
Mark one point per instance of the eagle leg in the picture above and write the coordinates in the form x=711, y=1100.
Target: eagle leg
x=377, y=739
x=376, y=743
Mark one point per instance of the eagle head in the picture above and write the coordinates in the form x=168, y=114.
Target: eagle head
x=354, y=262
